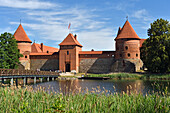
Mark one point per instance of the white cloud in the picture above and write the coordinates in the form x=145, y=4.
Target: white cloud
x=123, y=6
x=141, y=14
x=120, y=5
x=46, y=31
x=7, y=29
x=53, y=25
x=27, y=4
x=97, y=40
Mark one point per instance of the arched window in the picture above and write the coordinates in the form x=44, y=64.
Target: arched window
x=67, y=52
x=136, y=55
x=128, y=54
x=126, y=47
x=25, y=56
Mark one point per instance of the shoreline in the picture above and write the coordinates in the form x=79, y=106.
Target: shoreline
x=120, y=76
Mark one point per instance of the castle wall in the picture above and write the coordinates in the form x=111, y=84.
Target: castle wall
x=25, y=64
x=126, y=65
x=96, y=65
x=44, y=62
x=25, y=49
x=127, y=49
x=109, y=65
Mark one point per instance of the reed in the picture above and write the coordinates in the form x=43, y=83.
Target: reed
x=17, y=99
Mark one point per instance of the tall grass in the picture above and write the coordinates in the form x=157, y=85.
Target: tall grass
x=117, y=75
x=132, y=76
x=156, y=76
x=27, y=100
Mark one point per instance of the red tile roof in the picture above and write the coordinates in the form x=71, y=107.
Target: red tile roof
x=20, y=35
x=141, y=42
x=119, y=31
x=36, y=48
x=127, y=32
x=70, y=40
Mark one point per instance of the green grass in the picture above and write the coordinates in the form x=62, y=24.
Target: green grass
x=26, y=100
x=117, y=75
x=132, y=76
x=156, y=76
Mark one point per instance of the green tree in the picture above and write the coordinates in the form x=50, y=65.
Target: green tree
x=155, y=51
x=9, y=53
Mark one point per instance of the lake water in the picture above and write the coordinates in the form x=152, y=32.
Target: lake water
x=109, y=86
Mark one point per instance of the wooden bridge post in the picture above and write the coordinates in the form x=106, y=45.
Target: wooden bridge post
x=16, y=81
x=34, y=80
x=41, y=79
x=12, y=81
x=48, y=79
x=2, y=80
x=52, y=78
x=25, y=81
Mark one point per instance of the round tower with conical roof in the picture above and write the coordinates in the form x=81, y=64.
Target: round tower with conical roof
x=127, y=43
x=24, y=46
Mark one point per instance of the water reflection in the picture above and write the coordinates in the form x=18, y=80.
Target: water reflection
x=110, y=86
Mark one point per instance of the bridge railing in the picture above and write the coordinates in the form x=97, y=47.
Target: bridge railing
x=9, y=72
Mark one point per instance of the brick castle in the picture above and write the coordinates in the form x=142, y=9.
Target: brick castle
x=70, y=56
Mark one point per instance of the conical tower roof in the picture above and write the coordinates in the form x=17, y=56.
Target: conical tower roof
x=20, y=35
x=127, y=32
x=119, y=31
x=70, y=40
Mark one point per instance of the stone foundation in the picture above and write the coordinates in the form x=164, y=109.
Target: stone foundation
x=45, y=64
x=100, y=65
x=127, y=65
x=25, y=64
x=108, y=65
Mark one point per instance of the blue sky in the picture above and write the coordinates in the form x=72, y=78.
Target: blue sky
x=94, y=21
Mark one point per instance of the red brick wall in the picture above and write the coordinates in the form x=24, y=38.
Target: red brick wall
x=44, y=56
x=105, y=54
x=127, y=49
x=71, y=58
x=25, y=49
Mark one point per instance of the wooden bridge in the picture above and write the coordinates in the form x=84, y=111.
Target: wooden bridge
x=25, y=74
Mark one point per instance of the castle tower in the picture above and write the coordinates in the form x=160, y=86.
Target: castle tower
x=69, y=54
x=24, y=46
x=127, y=43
